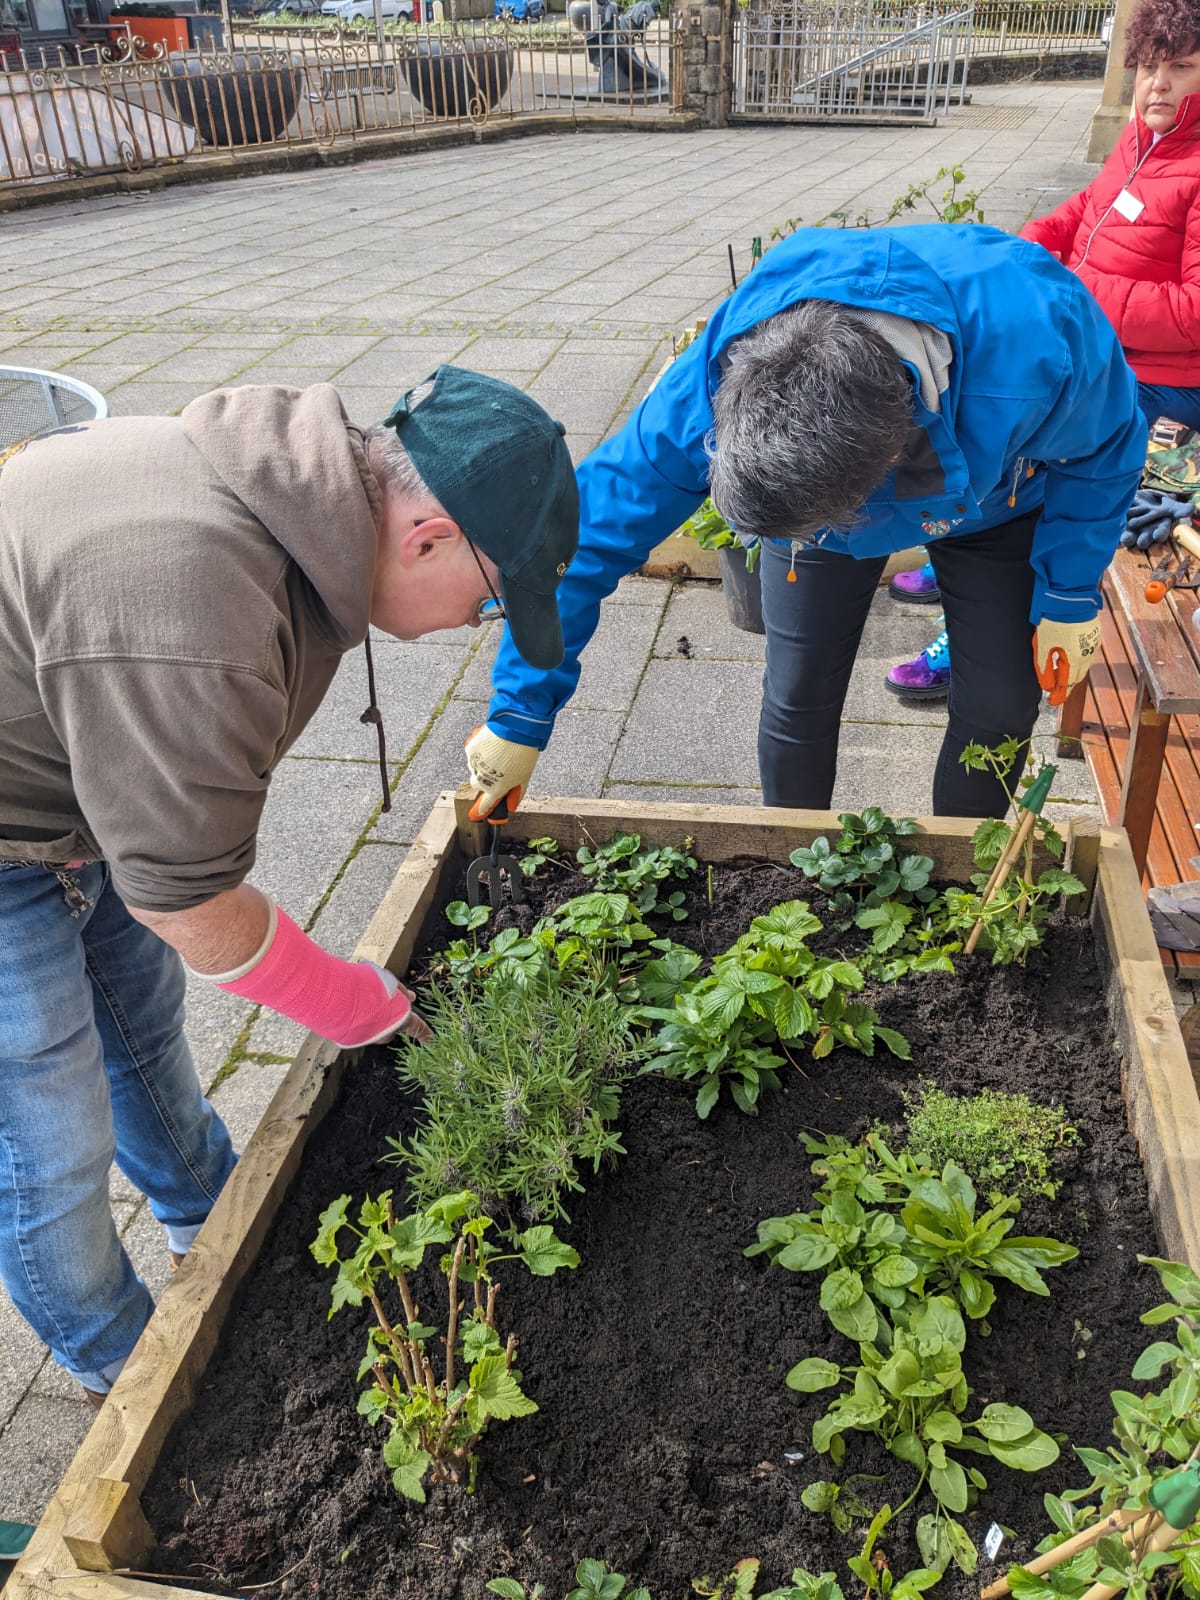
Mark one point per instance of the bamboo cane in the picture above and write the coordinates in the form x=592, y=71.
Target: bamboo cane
x=1117, y=1521
x=999, y=872
x=1162, y=1537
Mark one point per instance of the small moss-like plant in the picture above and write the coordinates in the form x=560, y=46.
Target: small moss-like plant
x=1003, y=1142
x=520, y=1087
x=435, y=1422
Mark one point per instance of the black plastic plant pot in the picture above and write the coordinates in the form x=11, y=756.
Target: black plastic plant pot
x=743, y=591
x=249, y=99
x=458, y=77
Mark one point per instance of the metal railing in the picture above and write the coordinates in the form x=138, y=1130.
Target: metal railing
x=817, y=59
x=1041, y=27
x=118, y=107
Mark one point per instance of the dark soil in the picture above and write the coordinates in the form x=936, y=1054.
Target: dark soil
x=665, y=1435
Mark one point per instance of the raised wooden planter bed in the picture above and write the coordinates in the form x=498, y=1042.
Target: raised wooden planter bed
x=94, y=1525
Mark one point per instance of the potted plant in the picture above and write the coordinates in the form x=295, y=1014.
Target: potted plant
x=458, y=76
x=739, y=566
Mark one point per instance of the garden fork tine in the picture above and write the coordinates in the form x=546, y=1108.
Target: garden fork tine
x=498, y=871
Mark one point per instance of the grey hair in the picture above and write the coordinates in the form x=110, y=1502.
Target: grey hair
x=812, y=412
x=390, y=461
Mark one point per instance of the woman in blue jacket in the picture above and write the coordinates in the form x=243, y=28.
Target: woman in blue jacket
x=863, y=392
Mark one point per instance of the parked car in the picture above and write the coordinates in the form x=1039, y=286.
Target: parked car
x=291, y=8
x=364, y=10
x=519, y=10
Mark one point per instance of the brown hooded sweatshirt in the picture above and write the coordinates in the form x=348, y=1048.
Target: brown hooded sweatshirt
x=175, y=596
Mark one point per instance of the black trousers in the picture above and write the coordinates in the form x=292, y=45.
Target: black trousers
x=813, y=630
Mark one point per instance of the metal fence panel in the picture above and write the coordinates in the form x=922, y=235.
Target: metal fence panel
x=117, y=107
x=846, y=59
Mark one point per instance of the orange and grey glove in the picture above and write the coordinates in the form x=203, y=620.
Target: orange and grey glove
x=1062, y=654
x=499, y=769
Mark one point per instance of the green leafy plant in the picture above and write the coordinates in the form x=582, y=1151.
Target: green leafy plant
x=932, y=1240
x=866, y=857
x=768, y=986
x=537, y=853
x=1155, y=1433
x=595, y=1582
x=737, y=1585
x=624, y=866
x=949, y=206
x=1014, y=918
x=998, y=1139
x=811, y=1586
x=434, y=1423
x=912, y=1397
x=877, y=884
x=510, y=1589
x=519, y=1089
x=711, y=532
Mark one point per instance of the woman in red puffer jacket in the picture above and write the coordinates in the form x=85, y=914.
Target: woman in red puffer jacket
x=1133, y=235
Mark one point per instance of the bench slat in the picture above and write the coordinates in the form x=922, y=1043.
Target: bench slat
x=1170, y=669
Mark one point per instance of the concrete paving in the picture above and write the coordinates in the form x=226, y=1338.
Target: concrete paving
x=561, y=264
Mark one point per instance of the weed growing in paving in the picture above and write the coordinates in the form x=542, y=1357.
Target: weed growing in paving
x=997, y=1139
x=434, y=1423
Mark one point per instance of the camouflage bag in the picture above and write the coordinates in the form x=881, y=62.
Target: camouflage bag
x=1173, y=459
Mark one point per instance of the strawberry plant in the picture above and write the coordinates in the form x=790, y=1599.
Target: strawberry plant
x=866, y=857
x=434, y=1423
x=624, y=866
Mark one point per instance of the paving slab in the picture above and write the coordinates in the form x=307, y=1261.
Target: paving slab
x=36, y=1449
x=411, y=680
x=318, y=809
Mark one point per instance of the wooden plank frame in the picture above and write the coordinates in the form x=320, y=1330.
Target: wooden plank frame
x=96, y=1509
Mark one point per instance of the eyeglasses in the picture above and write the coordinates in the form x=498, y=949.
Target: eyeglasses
x=491, y=609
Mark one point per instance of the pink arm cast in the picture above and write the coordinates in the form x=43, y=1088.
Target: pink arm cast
x=350, y=1002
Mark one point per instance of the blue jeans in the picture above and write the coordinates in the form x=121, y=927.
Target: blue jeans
x=93, y=1065
x=1160, y=400
x=813, y=630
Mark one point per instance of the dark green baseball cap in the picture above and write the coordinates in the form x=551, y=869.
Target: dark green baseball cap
x=500, y=466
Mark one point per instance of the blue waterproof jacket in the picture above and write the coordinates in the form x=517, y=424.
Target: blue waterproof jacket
x=1040, y=411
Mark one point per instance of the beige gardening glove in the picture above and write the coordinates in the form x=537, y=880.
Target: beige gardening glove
x=1062, y=654
x=499, y=769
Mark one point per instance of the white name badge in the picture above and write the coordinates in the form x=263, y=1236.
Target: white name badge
x=1129, y=205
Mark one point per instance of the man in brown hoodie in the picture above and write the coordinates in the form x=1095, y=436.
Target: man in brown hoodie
x=175, y=597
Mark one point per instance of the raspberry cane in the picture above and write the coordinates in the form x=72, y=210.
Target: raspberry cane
x=349, y=1002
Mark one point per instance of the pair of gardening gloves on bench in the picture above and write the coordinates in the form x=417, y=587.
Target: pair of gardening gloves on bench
x=1153, y=515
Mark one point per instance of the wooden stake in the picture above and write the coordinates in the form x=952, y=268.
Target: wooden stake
x=1134, y=1520
x=999, y=872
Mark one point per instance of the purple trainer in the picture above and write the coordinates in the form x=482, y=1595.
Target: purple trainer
x=926, y=678
x=917, y=588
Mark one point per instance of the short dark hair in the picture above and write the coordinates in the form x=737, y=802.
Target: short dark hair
x=1161, y=28
x=811, y=414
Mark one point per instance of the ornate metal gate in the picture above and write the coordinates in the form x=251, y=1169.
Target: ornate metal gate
x=846, y=60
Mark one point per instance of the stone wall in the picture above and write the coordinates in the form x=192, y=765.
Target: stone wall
x=1052, y=65
x=703, y=30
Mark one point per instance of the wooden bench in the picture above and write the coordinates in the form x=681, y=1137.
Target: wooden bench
x=1138, y=719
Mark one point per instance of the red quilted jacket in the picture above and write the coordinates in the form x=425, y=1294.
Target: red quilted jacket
x=1144, y=272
